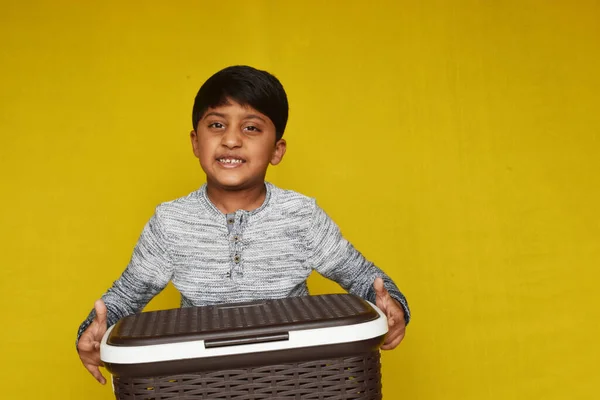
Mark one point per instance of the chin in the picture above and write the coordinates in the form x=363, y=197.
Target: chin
x=236, y=184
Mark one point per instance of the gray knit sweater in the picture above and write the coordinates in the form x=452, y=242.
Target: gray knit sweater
x=215, y=258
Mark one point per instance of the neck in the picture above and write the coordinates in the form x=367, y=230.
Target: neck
x=229, y=201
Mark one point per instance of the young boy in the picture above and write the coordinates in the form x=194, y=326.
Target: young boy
x=238, y=238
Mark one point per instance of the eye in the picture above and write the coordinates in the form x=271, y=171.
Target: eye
x=252, y=128
x=216, y=125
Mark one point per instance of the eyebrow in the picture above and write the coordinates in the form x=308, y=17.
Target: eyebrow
x=213, y=113
x=255, y=116
x=221, y=115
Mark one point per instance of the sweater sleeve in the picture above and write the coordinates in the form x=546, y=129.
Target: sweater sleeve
x=148, y=272
x=334, y=257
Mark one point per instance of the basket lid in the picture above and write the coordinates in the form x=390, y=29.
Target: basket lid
x=237, y=323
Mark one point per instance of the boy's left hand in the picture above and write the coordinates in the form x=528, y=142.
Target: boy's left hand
x=395, y=316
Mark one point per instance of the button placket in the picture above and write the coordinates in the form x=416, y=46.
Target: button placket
x=236, y=224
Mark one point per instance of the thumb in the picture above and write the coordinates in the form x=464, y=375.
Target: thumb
x=100, y=308
x=99, y=322
x=381, y=294
x=379, y=287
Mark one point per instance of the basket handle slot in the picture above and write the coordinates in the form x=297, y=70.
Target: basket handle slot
x=223, y=342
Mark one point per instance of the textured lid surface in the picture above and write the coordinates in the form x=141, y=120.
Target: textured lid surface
x=241, y=320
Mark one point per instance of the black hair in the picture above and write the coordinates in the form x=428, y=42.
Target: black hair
x=247, y=86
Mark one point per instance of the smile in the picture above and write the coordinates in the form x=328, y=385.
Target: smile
x=230, y=160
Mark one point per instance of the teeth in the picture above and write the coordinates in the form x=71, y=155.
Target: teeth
x=230, y=160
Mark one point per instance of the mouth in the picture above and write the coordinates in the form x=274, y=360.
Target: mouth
x=230, y=161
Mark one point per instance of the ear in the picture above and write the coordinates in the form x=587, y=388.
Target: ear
x=279, y=152
x=194, y=139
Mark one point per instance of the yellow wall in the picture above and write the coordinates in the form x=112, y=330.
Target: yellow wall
x=456, y=143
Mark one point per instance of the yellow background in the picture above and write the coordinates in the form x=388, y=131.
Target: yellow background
x=456, y=143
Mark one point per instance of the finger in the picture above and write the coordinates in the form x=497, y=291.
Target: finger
x=393, y=344
x=85, y=342
x=381, y=294
x=380, y=304
x=392, y=314
x=99, y=323
x=391, y=320
x=379, y=287
x=393, y=335
x=95, y=371
x=91, y=358
x=395, y=311
x=100, y=308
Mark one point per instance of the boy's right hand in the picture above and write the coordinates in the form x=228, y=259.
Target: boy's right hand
x=88, y=345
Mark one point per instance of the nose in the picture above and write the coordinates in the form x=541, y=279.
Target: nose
x=232, y=138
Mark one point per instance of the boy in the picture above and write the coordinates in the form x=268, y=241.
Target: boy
x=238, y=238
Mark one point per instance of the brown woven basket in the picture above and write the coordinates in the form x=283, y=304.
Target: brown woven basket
x=330, y=370
x=357, y=377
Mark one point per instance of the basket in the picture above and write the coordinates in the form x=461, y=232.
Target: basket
x=311, y=347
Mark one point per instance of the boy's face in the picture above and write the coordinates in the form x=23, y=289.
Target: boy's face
x=235, y=145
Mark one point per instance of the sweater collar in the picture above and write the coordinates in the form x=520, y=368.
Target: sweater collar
x=216, y=213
